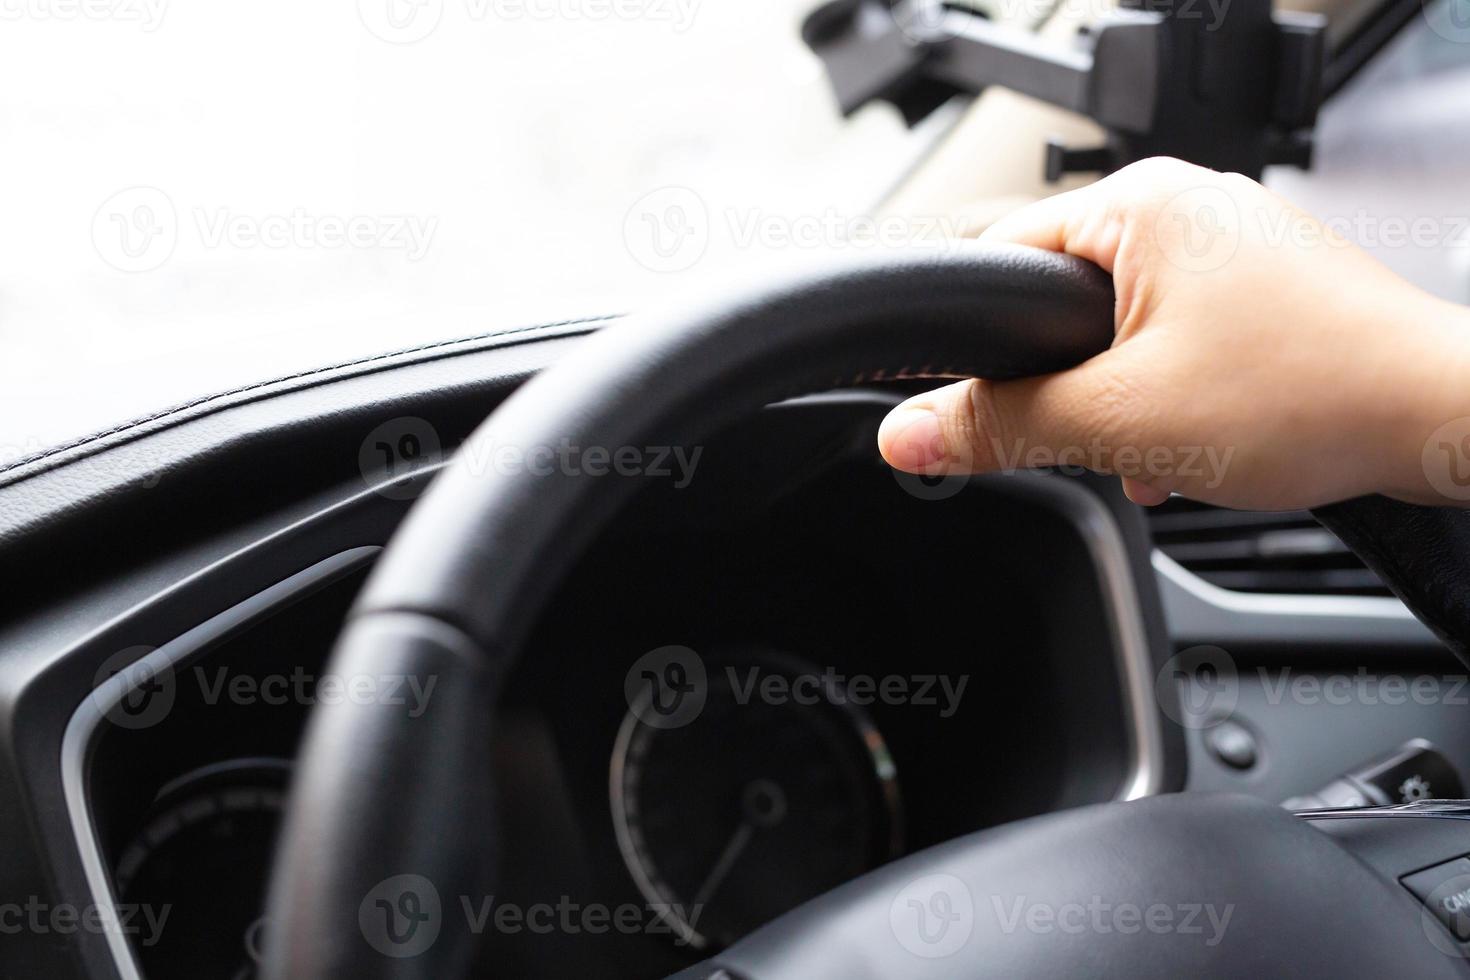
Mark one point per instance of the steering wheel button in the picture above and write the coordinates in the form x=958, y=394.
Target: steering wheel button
x=1445, y=891
x=1233, y=744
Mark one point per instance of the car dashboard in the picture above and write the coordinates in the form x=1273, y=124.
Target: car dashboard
x=920, y=659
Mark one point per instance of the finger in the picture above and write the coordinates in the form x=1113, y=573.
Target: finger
x=1046, y=223
x=979, y=426
x=1094, y=222
x=1078, y=222
x=1143, y=494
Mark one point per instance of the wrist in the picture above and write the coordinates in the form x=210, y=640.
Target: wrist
x=1427, y=459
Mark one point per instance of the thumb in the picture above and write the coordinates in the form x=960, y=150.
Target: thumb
x=1068, y=419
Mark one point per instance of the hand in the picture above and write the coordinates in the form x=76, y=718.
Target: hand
x=1260, y=361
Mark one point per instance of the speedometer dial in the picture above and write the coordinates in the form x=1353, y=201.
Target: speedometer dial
x=758, y=804
x=200, y=861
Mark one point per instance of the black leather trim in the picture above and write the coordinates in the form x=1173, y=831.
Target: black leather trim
x=1421, y=553
x=67, y=452
x=1248, y=890
x=87, y=516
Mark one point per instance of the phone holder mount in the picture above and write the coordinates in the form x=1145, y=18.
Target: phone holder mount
x=1229, y=85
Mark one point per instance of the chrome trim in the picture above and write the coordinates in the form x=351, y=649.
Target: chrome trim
x=1135, y=666
x=1438, y=809
x=81, y=730
x=1109, y=552
x=1199, y=612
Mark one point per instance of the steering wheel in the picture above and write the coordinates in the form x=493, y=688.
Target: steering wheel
x=383, y=802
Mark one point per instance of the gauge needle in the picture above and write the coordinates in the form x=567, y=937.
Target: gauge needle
x=727, y=860
x=762, y=805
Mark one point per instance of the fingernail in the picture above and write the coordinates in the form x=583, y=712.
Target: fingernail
x=912, y=439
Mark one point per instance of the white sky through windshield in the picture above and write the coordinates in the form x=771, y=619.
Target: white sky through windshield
x=200, y=195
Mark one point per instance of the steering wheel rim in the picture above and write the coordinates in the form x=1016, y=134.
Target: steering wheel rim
x=380, y=797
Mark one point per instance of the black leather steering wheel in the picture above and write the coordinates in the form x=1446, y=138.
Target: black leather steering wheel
x=380, y=795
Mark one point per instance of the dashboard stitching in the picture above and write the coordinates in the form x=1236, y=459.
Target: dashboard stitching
x=244, y=389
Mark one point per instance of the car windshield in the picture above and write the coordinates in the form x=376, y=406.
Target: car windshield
x=201, y=196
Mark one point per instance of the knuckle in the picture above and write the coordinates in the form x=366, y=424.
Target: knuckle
x=977, y=427
x=1154, y=175
x=1115, y=407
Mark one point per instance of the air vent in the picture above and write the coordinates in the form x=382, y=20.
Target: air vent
x=1278, y=551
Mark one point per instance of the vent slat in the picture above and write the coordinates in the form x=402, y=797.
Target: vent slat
x=1337, y=581
x=1281, y=552
x=1193, y=521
